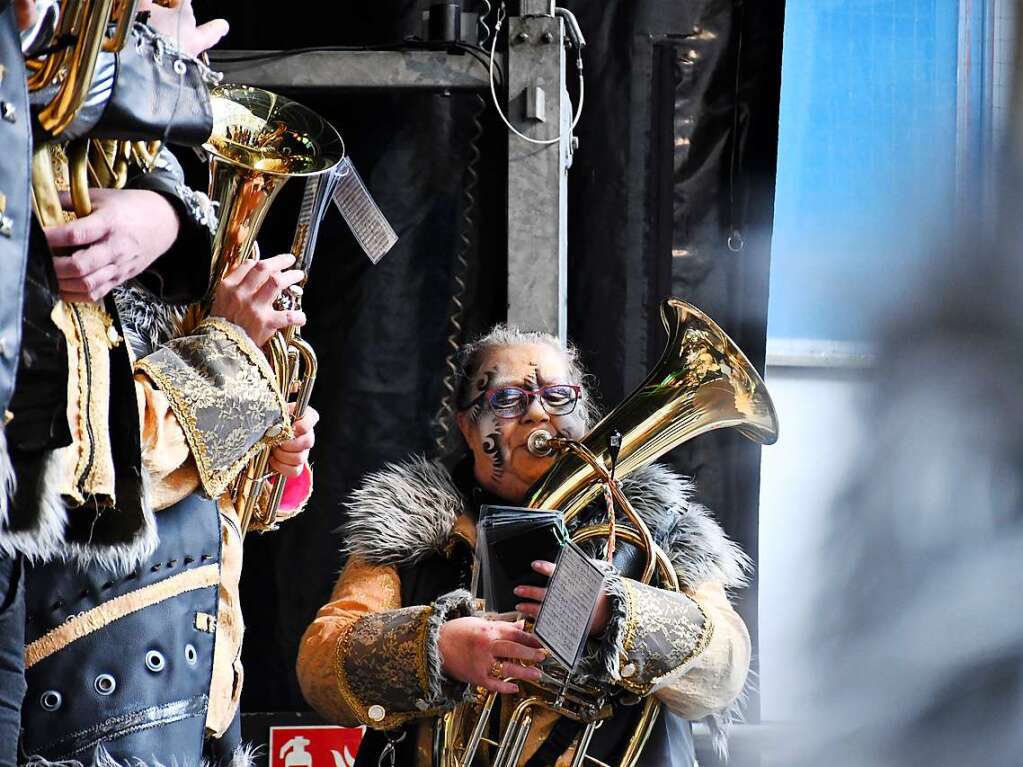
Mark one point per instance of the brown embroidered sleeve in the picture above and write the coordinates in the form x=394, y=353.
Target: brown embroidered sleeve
x=224, y=395
x=366, y=660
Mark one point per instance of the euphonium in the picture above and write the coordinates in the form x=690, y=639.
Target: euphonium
x=702, y=382
x=259, y=141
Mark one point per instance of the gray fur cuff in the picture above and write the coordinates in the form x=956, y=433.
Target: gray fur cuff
x=600, y=662
x=445, y=692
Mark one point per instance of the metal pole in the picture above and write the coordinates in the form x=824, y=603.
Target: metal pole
x=538, y=106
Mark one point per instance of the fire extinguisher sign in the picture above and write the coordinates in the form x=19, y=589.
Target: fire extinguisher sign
x=323, y=746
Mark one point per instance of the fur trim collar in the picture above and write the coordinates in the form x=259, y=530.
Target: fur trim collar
x=407, y=511
x=145, y=321
x=402, y=513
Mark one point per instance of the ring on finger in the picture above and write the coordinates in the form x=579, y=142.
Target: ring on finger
x=497, y=669
x=288, y=298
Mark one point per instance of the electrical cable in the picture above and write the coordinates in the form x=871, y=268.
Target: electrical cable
x=501, y=16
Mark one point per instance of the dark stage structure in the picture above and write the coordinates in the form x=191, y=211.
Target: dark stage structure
x=670, y=192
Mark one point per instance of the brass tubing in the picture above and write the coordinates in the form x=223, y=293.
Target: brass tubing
x=645, y=726
x=583, y=745
x=308, y=367
x=123, y=15
x=664, y=565
x=516, y=731
x=56, y=116
x=605, y=476
x=78, y=177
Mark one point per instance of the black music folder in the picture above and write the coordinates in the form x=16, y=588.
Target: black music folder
x=508, y=540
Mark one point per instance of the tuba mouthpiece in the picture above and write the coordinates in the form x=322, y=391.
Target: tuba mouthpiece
x=539, y=443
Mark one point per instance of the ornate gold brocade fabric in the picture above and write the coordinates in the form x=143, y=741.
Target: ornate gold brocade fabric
x=222, y=392
x=664, y=630
x=361, y=589
x=382, y=664
x=172, y=475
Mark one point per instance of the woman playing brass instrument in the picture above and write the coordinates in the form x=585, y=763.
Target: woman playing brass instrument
x=400, y=641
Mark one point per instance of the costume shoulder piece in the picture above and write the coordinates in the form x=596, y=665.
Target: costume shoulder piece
x=402, y=513
x=684, y=528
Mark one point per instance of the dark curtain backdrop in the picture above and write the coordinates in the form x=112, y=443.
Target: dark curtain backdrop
x=677, y=154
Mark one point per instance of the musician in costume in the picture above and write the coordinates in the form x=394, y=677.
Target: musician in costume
x=206, y=401
x=96, y=455
x=401, y=639
x=33, y=353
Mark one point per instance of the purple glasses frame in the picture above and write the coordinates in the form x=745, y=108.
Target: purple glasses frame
x=528, y=396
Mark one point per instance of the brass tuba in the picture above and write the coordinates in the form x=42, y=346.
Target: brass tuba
x=702, y=382
x=259, y=141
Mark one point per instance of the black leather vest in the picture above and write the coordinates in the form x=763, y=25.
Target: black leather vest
x=137, y=685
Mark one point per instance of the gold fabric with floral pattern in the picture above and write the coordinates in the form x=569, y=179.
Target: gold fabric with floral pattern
x=664, y=631
x=382, y=665
x=223, y=394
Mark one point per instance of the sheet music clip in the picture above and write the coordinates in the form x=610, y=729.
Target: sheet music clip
x=371, y=228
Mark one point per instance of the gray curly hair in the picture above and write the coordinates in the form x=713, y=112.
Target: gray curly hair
x=470, y=357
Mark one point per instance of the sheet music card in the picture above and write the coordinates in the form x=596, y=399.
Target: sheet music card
x=567, y=611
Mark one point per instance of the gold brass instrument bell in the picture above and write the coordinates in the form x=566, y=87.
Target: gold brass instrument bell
x=702, y=382
x=259, y=141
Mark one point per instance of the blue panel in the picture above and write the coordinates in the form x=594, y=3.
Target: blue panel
x=866, y=165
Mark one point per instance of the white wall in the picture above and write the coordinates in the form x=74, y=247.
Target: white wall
x=817, y=396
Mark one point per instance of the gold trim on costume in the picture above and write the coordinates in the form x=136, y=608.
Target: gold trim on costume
x=89, y=462
x=93, y=620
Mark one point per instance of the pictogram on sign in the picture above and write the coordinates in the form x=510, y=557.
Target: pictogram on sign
x=325, y=746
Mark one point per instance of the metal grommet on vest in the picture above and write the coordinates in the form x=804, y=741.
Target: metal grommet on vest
x=51, y=700
x=155, y=661
x=105, y=684
x=191, y=655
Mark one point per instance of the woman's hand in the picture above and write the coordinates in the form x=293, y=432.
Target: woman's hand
x=289, y=457
x=246, y=297
x=536, y=593
x=484, y=653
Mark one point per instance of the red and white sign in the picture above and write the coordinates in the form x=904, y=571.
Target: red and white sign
x=325, y=746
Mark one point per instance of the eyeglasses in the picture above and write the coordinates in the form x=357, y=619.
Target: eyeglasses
x=513, y=402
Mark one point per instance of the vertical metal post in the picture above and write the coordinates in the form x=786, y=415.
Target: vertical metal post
x=538, y=106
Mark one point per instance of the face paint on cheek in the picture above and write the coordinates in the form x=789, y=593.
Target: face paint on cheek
x=492, y=447
x=482, y=384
